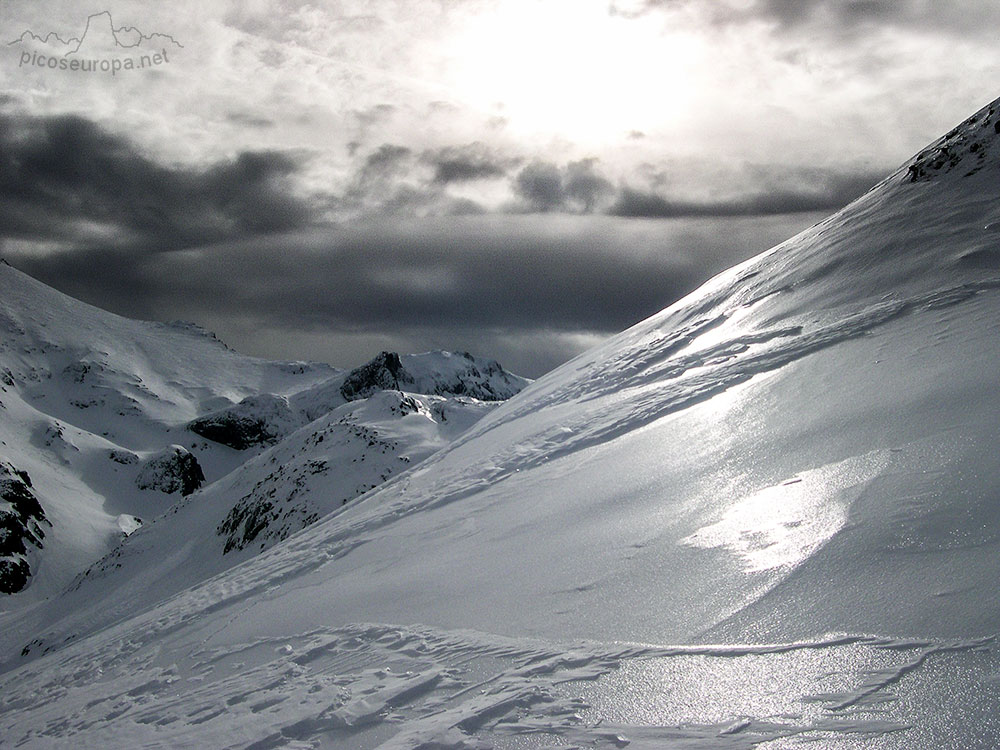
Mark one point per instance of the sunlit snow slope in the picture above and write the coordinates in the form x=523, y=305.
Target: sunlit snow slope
x=798, y=461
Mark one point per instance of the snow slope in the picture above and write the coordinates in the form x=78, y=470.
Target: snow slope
x=314, y=472
x=89, y=399
x=115, y=420
x=764, y=517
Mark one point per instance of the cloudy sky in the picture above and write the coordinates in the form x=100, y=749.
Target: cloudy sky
x=517, y=178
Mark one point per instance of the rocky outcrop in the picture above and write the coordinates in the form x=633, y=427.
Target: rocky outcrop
x=433, y=373
x=256, y=420
x=285, y=501
x=21, y=527
x=171, y=470
x=384, y=373
x=968, y=148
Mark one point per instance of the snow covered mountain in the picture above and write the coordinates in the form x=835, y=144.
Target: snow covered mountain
x=316, y=471
x=266, y=418
x=766, y=516
x=108, y=422
x=94, y=409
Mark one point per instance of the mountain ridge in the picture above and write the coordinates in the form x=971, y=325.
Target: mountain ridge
x=117, y=418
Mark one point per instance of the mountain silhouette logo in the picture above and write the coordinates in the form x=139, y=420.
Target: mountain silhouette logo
x=101, y=46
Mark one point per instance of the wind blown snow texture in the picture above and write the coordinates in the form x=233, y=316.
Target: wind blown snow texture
x=797, y=462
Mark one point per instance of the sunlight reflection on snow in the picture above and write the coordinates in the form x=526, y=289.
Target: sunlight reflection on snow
x=782, y=525
x=722, y=333
x=707, y=689
x=810, y=695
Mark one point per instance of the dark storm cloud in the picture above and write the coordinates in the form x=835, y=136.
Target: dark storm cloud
x=583, y=184
x=834, y=18
x=579, y=187
x=541, y=186
x=388, y=182
x=386, y=160
x=66, y=179
x=443, y=282
x=852, y=13
x=379, y=174
x=395, y=180
x=777, y=191
x=514, y=273
x=246, y=120
x=474, y=161
x=576, y=187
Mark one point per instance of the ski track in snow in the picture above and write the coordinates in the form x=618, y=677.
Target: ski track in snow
x=410, y=688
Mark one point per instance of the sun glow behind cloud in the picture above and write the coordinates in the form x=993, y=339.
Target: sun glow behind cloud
x=573, y=70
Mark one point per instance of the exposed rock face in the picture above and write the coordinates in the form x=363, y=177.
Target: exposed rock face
x=256, y=420
x=171, y=470
x=335, y=460
x=384, y=373
x=239, y=432
x=124, y=457
x=969, y=147
x=278, y=505
x=21, y=522
x=434, y=373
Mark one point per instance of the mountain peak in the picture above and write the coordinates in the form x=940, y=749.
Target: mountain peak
x=437, y=373
x=384, y=372
x=965, y=149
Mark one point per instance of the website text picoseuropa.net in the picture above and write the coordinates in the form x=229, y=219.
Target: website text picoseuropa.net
x=112, y=65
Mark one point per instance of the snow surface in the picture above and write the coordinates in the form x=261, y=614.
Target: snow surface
x=765, y=517
x=101, y=411
x=87, y=396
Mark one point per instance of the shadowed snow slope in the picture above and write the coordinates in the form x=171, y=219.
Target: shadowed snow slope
x=805, y=446
x=113, y=420
x=88, y=399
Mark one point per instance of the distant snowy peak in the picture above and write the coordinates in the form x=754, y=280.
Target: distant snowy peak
x=383, y=373
x=437, y=373
x=265, y=419
x=968, y=148
x=81, y=357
